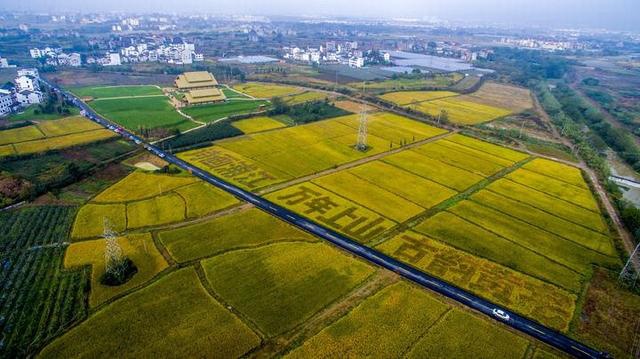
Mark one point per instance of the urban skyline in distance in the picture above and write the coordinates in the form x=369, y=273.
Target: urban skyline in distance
x=617, y=15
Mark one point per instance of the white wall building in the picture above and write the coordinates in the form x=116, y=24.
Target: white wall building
x=35, y=53
x=26, y=97
x=3, y=62
x=75, y=59
x=114, y=60
x=29, y=72
x=6, y=102
x=27, y=83
x=356, y=62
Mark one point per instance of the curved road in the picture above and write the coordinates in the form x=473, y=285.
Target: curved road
x=518, y=322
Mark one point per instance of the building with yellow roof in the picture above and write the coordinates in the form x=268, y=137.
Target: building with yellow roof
x=201, y=96
x=196, y=80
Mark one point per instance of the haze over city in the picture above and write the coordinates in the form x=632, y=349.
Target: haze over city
x=320, y=179
x=614, y=15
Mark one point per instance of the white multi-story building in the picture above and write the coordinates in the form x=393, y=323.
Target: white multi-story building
x=27, y=83
x=356, y=62
x=114, y=59
x=387, y=57
x=198, y=57
x=3, y=62
x=26, y=97
x=6, y=102
x=186, y=57
x=75, y=59
x=35, y=53
x=29, y=72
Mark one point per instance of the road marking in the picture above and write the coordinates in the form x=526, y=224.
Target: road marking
x=537, y=330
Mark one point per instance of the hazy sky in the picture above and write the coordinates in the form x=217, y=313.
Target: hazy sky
x=612, y=14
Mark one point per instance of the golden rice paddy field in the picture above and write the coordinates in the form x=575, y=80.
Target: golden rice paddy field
x=266, y=90
x=147, y=200
x=51, y=135
x=263, y=159
x=528, y=240
x=490, y=102
x=257, y=124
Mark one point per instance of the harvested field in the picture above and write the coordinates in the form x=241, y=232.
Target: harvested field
x=516, y=99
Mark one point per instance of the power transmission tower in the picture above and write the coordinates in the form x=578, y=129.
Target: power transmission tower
x=113, y=258
x=361, y=145
x=629, y=274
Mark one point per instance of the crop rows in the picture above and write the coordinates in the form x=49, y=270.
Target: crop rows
x=38, y=299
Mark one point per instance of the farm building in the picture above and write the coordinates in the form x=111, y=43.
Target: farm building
x=201, y=96
x=195, y=80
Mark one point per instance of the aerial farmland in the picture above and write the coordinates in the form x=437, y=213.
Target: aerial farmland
x=231, y=209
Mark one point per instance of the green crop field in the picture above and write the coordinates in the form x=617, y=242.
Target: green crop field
x=212, y=112
x=257, y=124
x=97, y=92
x=137, y=247
x=173, y=315
x=438, y=80
x=142, y=112
x=229, y=232
x=38, y=298
x=279, y=286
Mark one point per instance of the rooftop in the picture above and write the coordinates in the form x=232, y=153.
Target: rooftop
x=204, y=96
x=199, y=79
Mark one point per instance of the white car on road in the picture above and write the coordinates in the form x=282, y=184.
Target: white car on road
x=499, y=313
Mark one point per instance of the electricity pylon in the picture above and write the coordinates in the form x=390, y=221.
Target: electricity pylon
x=361, y=145
x=113, y=253
x=629, y=274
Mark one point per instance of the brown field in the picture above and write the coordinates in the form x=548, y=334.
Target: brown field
x=514, y=98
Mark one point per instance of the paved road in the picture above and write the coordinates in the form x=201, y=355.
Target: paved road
x=518, y=322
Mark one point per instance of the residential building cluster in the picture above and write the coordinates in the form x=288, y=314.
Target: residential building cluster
x=23, y=92
x=546, y=45
x=184, y=53
x=56, y=57
x=346, y=53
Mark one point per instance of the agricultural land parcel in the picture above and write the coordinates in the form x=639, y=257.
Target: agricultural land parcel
x=491, y=101
x=97, y=92
x=370, y=199
x=266, y=90
x=437, y=81
x=276, y=156
x=213, y=112
x=257, y=124
x=283, y=276
x=144, y=200
x=543, y=273
x=51, y=135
